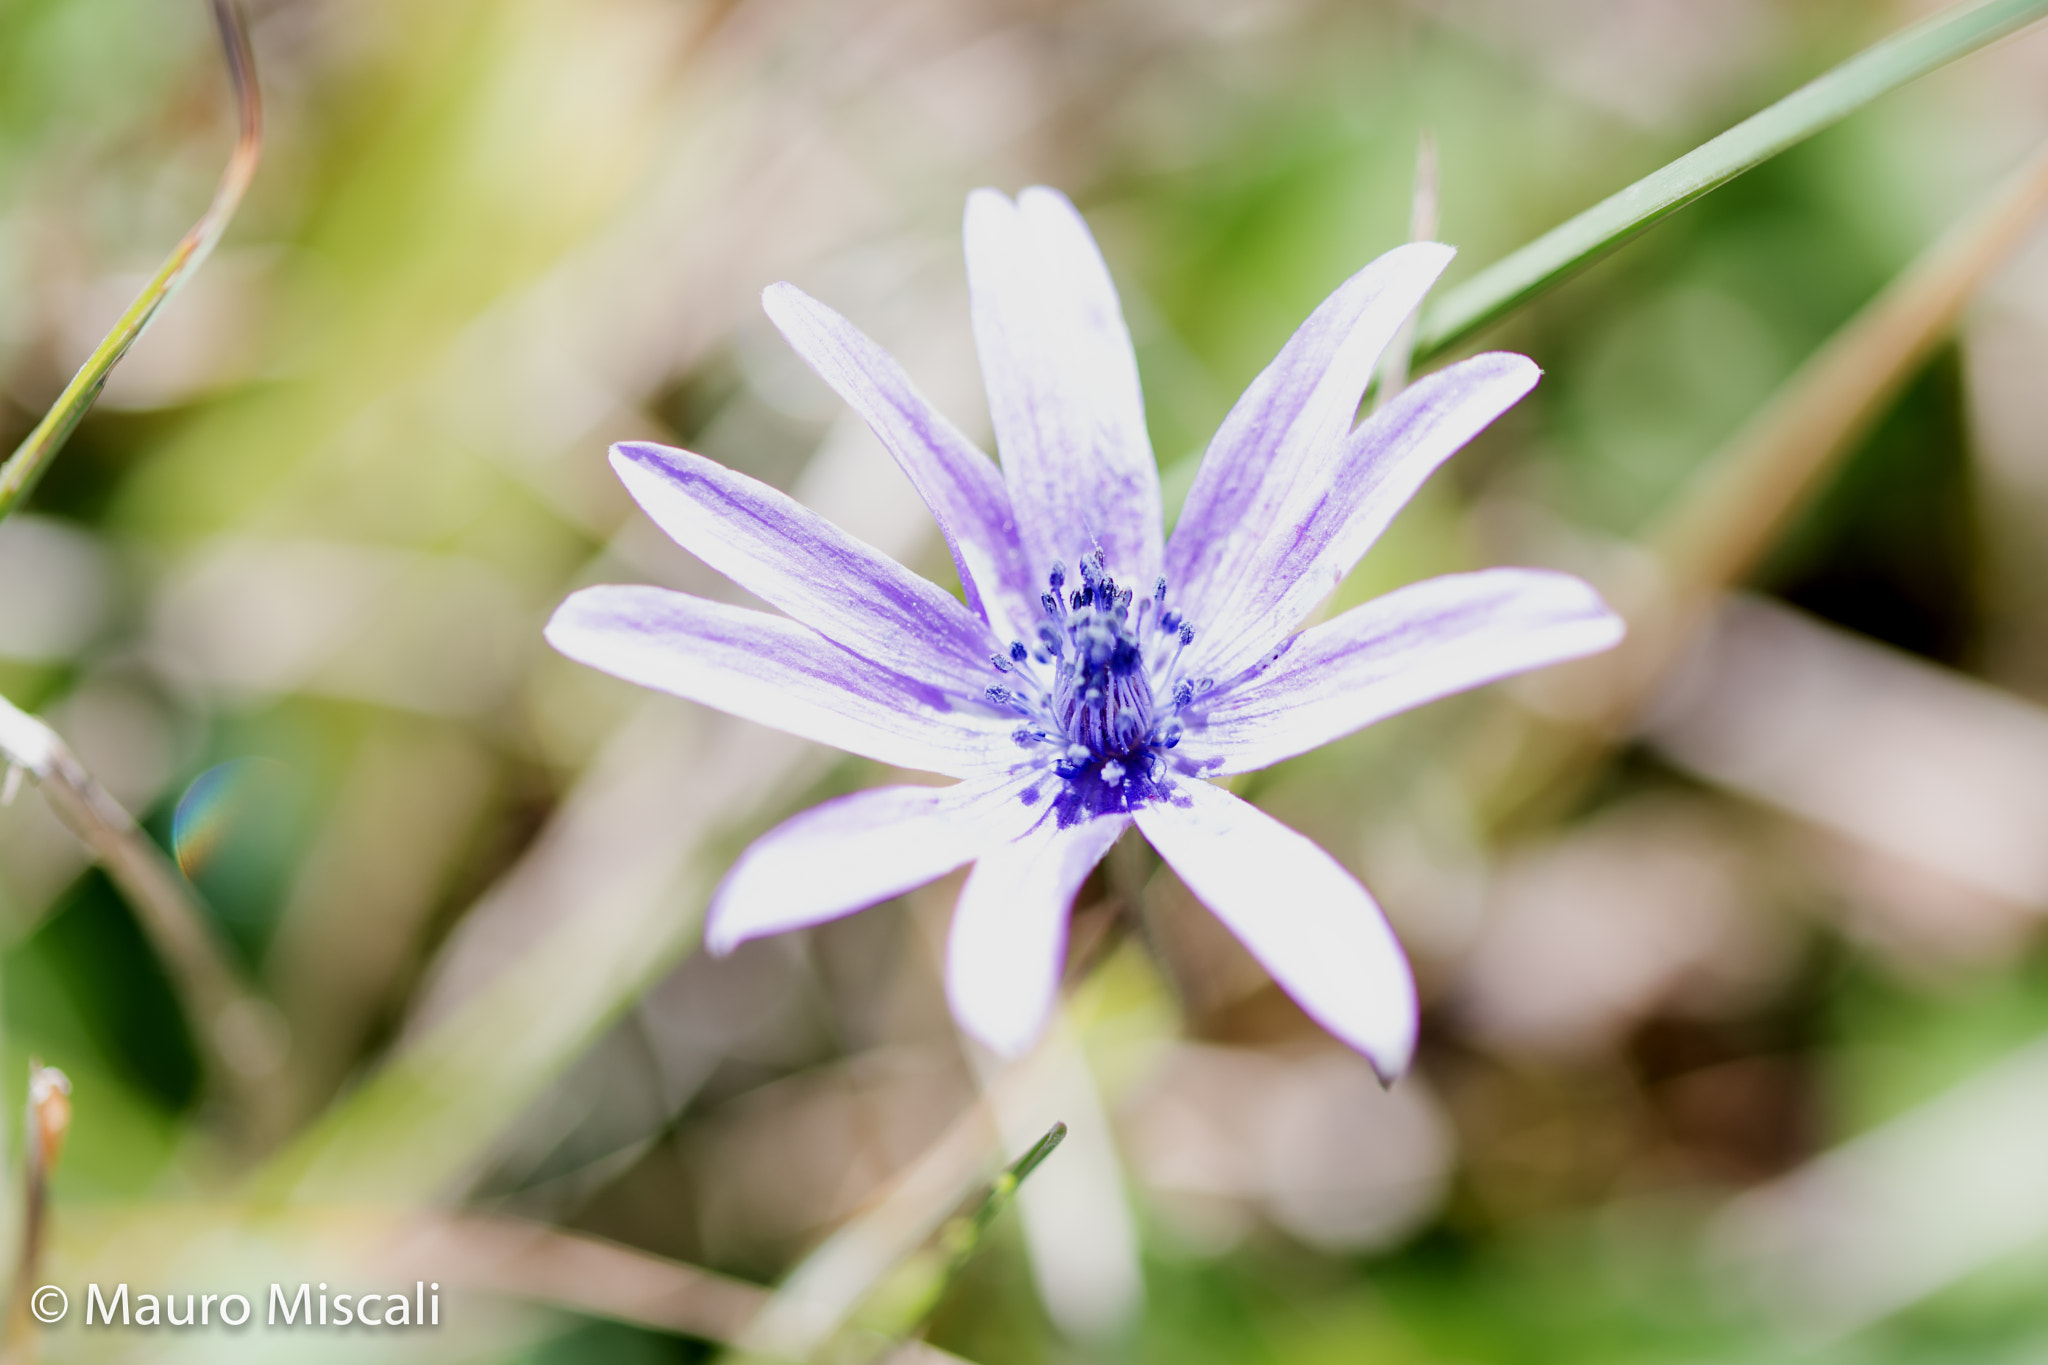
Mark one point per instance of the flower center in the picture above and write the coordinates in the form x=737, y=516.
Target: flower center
x=1101, y=692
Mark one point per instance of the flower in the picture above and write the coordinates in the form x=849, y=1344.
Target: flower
x=1097, y=673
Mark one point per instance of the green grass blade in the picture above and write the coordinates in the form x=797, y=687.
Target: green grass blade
x=1878, y=70
x=26, y=465
x=1741, y=500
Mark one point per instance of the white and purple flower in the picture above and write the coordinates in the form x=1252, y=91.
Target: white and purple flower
x=1097, y=673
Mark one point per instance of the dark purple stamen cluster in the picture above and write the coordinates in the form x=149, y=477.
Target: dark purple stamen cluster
x=1101, y=692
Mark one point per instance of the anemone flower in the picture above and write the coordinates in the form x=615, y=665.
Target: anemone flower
x=1097, y=673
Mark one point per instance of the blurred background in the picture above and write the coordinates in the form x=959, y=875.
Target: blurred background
x=1739, y=1051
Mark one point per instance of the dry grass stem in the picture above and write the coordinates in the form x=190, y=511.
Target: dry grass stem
x=239, y=1034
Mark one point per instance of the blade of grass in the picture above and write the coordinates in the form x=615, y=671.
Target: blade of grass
x=903, y=1303
x=852, y=1266
x=1507, y=284
x=1744, y=497
x=32, y=457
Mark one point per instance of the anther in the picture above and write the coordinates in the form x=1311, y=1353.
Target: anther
x=1159, y=590
x=1017, y=650
x=1058, y=577
x=1002, y=665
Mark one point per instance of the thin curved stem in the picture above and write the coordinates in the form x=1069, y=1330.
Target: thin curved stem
x=1820, y=103
x=32, y=457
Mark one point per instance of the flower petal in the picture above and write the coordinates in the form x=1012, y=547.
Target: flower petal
x=1326, y=527
x=1009, y=936
x=1414, y=645
x=1289, y=426
x=1062, y=386
x=792, y=558
x=1306, y=919
x=763, y=668
x=850, y=853
x=962, y=486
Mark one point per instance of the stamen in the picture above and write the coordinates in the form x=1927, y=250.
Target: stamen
x=1099, y=686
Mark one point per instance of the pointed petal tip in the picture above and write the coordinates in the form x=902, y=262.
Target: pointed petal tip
x=1390, y=1048
x=631, y=456
x=1502, y=364
x=1391, y=1063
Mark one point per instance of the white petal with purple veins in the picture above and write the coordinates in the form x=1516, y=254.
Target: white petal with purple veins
x=962, y=486
x=1289, y=427
x=789, y=556
x=850, y=853
x=1062, y=386
x=763, y=668
x=1414, y=645
x=1009, y=936
x=1324, y=530
x=1306, y=919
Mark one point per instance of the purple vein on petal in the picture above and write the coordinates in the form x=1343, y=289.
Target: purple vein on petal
x=856, y=850
x=782, y=674
x=1412, y=646
x=1062, y=385
x=789, y=556
x=1288, y=428
x=962, y=487
x=1322, y=533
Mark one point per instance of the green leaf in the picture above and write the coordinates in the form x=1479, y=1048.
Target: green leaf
x=1507, y=284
